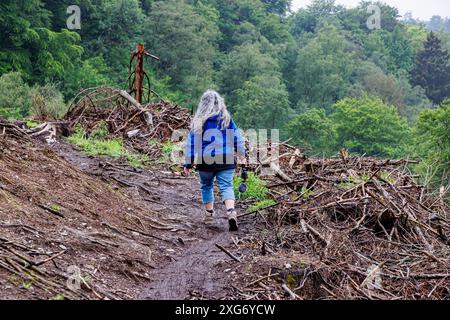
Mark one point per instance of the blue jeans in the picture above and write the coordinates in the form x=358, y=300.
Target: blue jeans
x=224, y=181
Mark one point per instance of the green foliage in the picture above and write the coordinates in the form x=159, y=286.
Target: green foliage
x=18, y=22
x=32, y=124
x=184, y=38
x=93, y=72
x=392, y=90
x=323, y=70
x=368, y=126
x=353, y=181
x=237, y=18
x=432, y=69
x=307, y=20
x=242, y=64
x=306, y=193
x=100, y=131
x=56, y=207
x=119, y=26
x=167, y=148
x=47, y=102
x=280, y=7
x=260, y=205
x=96, y=144
x=313, y=130
x=400, y=48
x=15, y=98
x=256, y=187
x=57, y=53
x=263, y=102
x=163, y=90
x=432, y=144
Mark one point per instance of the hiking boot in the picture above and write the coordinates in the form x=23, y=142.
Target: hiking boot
x=209, y=217
x=232, y=220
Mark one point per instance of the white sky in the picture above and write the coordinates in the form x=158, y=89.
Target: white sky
x=422, y=9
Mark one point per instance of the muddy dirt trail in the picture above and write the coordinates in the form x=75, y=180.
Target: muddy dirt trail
x=198, y=268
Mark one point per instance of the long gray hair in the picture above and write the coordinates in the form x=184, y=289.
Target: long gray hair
x=211, y=104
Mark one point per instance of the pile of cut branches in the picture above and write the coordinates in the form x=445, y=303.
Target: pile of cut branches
x=126, y=118
x=67, y=234
x=351, y=228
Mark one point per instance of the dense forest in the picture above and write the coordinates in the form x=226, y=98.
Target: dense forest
x=320, y=74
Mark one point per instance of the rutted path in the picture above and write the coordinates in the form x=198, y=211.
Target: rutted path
x=198, y=269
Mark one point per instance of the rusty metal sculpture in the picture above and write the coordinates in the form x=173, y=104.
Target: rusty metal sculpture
x=136, y=83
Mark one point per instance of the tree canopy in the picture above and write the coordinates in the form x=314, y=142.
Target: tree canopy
x=319, y=74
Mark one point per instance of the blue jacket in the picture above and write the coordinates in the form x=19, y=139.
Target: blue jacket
x=214, y=149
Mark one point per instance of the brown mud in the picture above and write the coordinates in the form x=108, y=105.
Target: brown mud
x=132, y=233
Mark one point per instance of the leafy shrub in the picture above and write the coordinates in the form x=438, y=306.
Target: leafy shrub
x=369, y=126
x=256, y=188
x=432, y=144
x=47, y=102
x=314, y=130
x=91, y=73
x=15, y=98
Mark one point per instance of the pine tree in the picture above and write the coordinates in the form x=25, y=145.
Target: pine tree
x=432, y=69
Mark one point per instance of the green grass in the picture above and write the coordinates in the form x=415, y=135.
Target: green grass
x=56, y=207
x=306, y=193
x=32, y=124
x=386, y=176
x=256, y=188
x=170, y=152
x=261, y=205
x=353, y=181
x=98, y=145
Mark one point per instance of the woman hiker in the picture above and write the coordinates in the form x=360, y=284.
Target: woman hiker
x=211, y=147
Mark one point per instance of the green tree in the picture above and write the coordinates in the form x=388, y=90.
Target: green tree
x=93, y=72
x=29, y=46
x=262, y=103
x=280, y=7
x=432, y=143
x=232, y=15
x=313, y=130
x=392, y=90
x=184, y=37
x=400, y=47
x=242, y=64
x=55, y=54
x=47, y=102
x=15, y=97
x=368, y=126
x=324, y=68
x=308, y=20
x=389, y=15
x=432, y=70
x=376, y=50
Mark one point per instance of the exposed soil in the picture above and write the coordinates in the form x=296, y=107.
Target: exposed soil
x=197, y=266
x=133, y=233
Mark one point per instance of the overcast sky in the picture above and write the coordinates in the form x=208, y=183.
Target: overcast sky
x=422, y=9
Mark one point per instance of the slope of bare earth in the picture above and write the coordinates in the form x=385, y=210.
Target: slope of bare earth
x=56, y=219
x=121, y=233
